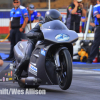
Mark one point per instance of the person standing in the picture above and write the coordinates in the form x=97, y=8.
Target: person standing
x=18, y=21
x=74, y=13
x=32, y=13
x=96, y=43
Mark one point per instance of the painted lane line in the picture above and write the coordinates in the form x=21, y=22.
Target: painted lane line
x=86, y=71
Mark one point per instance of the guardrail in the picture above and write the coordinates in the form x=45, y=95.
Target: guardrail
x=5, y=18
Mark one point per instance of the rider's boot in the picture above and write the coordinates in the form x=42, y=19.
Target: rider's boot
x=24, y=61
x=20, y=67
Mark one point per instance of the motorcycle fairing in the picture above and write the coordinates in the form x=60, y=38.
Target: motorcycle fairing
x=57, y=28
x=19, y=50
x=37, y=65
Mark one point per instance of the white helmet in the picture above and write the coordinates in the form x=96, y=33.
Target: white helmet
x=79, y=0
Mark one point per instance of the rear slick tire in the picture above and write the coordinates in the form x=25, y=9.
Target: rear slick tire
x=64, y=75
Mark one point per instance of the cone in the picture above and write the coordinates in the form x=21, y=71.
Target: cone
x=95, y=60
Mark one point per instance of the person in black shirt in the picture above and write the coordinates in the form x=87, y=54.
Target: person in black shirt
x=1, y=61
x=18, y=21
x=74, y=13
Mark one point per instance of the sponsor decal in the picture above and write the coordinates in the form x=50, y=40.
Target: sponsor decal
x=78, y=14
x=8, y=73
x=62, y=37
x=10, y=79
x=79, y=7
x=95, y=12
x=3, y=79
x=40, y=25
x=70, y=8
x=7, y=79
x=17, y=12
x=11, y=66
x=33, y=69
x=5, y=74
x=43, y=52
x=0, y=80
x=25, y=14
x=11, y=73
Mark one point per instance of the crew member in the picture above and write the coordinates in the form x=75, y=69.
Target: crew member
x=96, y=43
x=32, y=13
x=34, y=35
x=18, y=21
x=74, y=13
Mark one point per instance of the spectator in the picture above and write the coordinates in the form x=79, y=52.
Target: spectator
x=74, y=13
x=96, y=43
x=39, y=17
x=38, y=14
x=19, y=19
x=1, y=61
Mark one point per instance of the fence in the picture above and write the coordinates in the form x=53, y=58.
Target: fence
x=5, y=18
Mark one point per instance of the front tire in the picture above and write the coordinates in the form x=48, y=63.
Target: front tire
x=64, y=75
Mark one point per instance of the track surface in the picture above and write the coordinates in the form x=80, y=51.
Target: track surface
x=85, y=86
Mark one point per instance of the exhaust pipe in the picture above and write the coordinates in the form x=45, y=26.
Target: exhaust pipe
x=31, y=81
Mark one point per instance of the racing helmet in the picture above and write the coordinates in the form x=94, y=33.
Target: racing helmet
x=52, y=14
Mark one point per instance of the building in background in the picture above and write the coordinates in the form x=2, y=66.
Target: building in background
x=40, y=4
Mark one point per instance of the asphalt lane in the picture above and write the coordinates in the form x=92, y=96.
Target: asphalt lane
x=85, y=85
x=5, y=47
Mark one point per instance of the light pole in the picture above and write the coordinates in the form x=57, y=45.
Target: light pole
x=49, y=4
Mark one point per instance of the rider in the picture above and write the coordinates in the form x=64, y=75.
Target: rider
x=33, y=36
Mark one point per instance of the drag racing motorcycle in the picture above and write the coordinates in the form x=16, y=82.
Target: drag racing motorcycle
x=51, y=60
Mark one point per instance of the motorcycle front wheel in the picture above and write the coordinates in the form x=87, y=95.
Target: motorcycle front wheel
x=64, y=75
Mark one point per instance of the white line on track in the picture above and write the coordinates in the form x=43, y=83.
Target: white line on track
x=85, y=71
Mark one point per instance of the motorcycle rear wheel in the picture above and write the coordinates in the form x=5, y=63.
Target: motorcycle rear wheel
x=64, y=76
